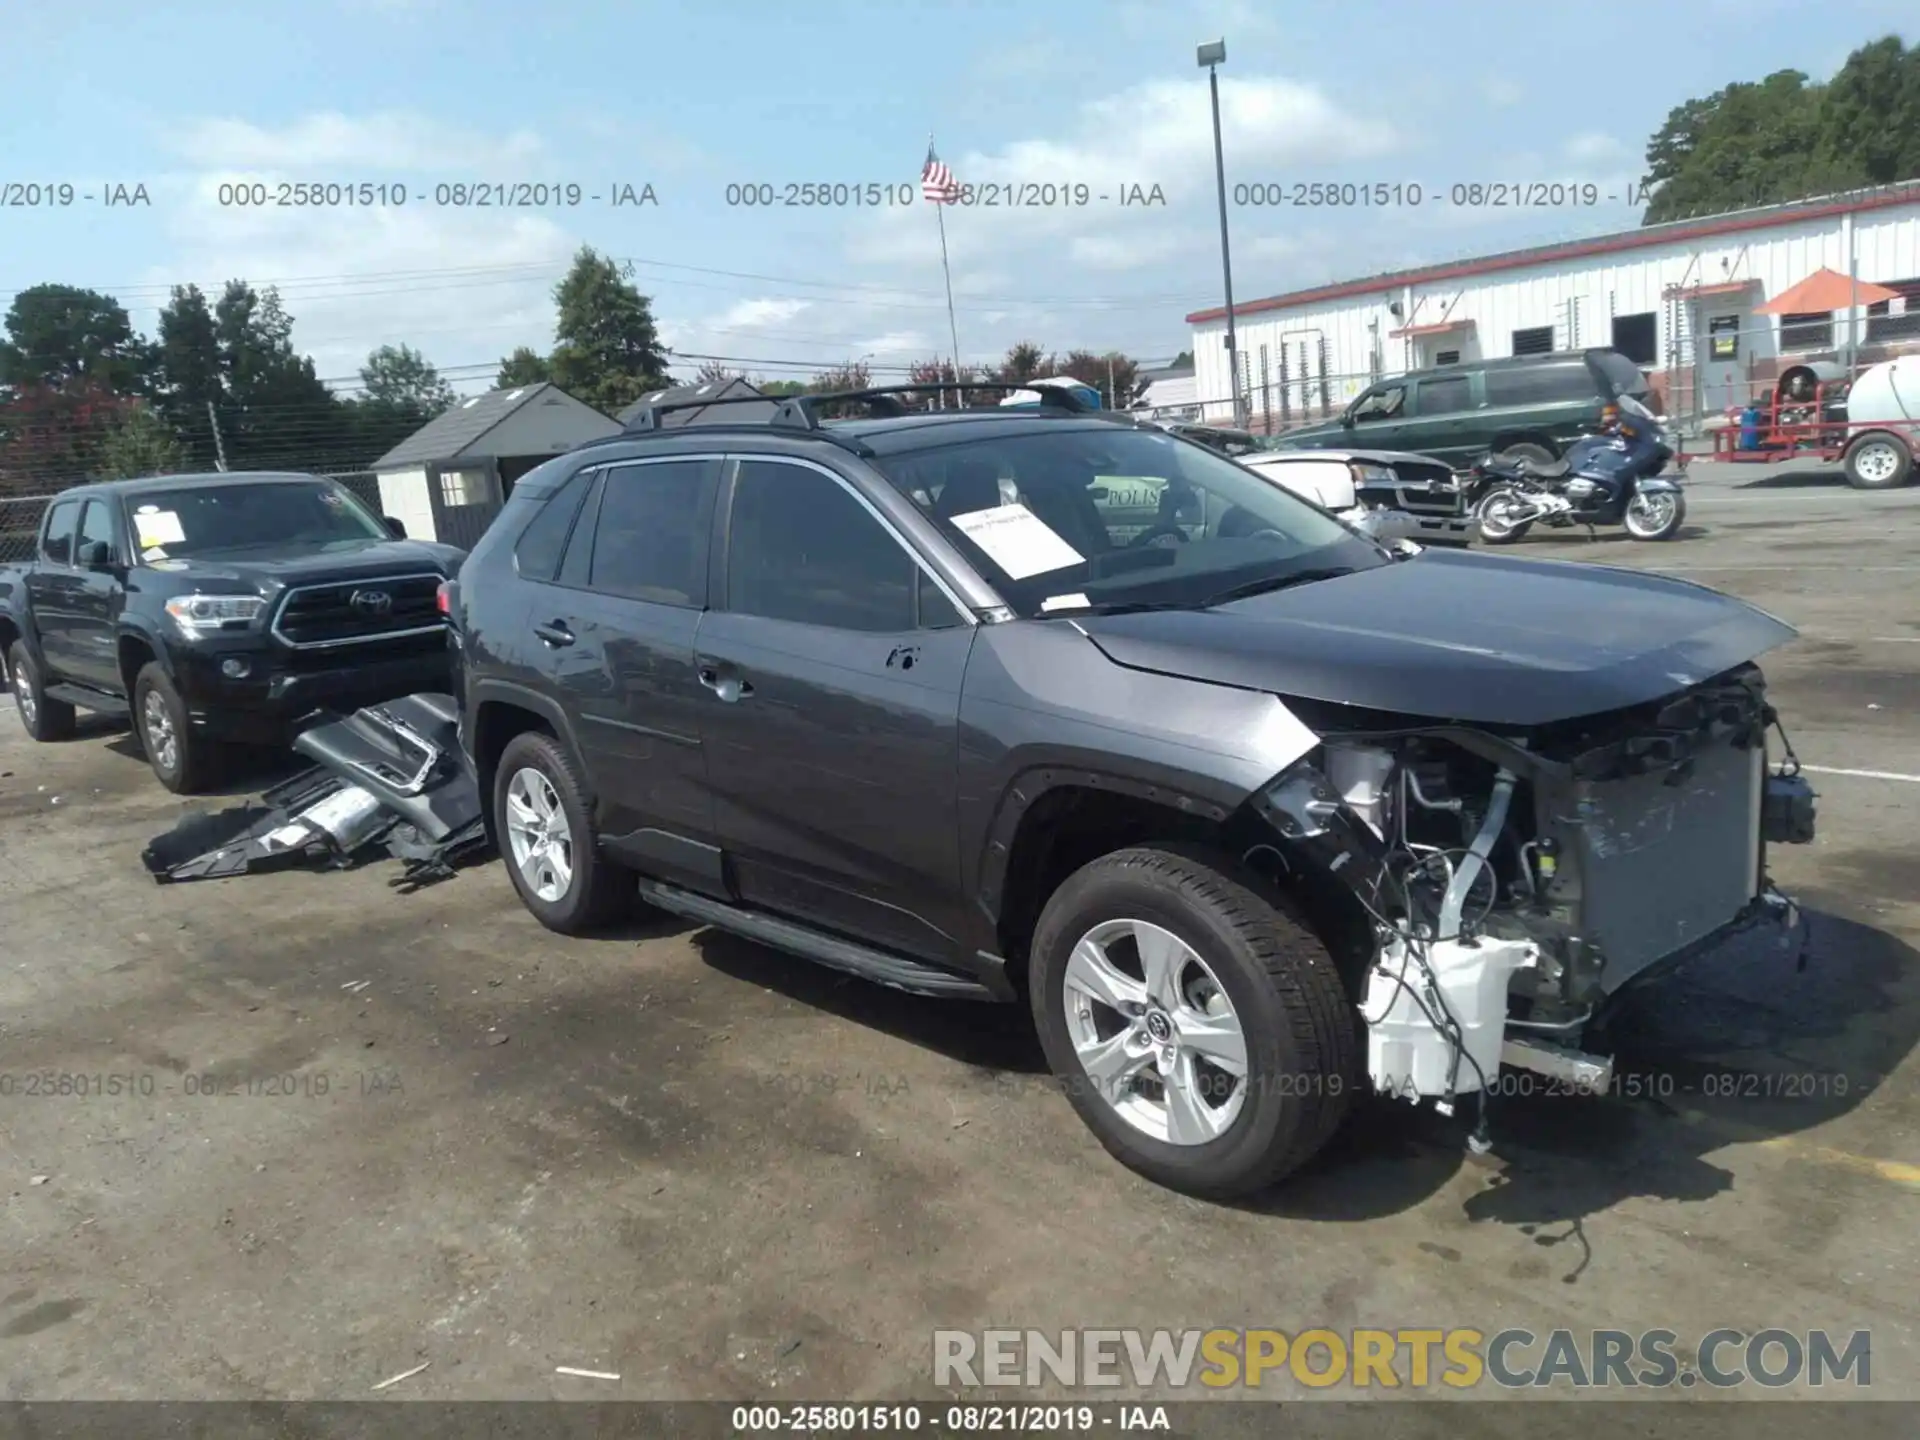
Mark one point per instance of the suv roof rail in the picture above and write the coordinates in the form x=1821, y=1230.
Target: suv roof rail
x=802, y=412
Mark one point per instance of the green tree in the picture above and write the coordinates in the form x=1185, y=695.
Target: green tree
x=608, y=351
x=277, y=413
x=524, y=366
x=779, y=389
x=139, y=443
x=401, y=378
x=1870, y=112
x=1114, y=375
x=187, y=370
x=58, y=335
x=942, y=372
x=1025, y=361
x=1782, y=138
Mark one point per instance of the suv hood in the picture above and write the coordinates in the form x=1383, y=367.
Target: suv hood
x=1482, y=639
x=266, y=571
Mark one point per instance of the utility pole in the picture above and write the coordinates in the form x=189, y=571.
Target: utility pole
x=1213, y=56
x=219, y=445
x=1112, y=402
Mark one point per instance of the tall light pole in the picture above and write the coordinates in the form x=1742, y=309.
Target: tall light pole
x=1212, y=57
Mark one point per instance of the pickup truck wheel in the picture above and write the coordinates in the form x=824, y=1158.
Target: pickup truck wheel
x=547, y=837
x=184, y=762
x=1201, y=1031
x=42, y=718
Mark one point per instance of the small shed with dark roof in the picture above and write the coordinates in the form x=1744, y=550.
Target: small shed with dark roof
x=448, y=479
x=733, y=389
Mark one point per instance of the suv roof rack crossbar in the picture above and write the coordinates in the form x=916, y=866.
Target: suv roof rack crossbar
x=648, y=417
x=802, y=412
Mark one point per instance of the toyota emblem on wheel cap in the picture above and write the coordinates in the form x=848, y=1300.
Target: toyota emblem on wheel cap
x=371, y=602
x=1159, y=1027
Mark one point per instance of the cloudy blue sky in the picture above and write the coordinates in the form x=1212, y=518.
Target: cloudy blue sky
x=692, y=97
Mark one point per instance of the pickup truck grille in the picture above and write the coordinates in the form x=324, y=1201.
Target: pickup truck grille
x=1439, y=498
x=353, y=612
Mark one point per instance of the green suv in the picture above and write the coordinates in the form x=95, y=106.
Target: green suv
x=1531, y=407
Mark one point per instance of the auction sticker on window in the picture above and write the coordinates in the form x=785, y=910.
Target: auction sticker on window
x=158, y=527
x=1017, y=541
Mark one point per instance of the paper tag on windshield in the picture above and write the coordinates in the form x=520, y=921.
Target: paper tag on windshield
x=153, y=552
x=1017, y=541
x=158, y=527
x=1065, y=602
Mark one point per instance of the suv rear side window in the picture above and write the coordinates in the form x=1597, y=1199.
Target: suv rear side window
x=58, y=544
x=1444, y=396
x=537, y=556
x=1540, y=384
x=802, y=549
x=650, y=538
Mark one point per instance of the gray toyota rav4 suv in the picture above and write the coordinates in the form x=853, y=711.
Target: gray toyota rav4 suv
x=1258, y=815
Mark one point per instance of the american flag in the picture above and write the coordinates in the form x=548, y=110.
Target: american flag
x=936, y=180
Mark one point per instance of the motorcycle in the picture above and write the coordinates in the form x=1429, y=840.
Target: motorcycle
x=1612, y=477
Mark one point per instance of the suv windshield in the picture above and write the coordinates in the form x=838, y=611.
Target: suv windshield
x=1091, y=518
x=220, y=519
x=1625, y=376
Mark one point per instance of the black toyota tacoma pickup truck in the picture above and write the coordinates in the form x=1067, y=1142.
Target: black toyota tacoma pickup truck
x=216, y=610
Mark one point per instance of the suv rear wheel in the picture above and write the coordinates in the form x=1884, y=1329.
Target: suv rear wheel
x=1202, y=1032
x=544, y=822
x=43, y=719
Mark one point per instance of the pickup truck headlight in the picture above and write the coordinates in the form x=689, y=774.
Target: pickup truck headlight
x=202, y=614
x=1371, y=474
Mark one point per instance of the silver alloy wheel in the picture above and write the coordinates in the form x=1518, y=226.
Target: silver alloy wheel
x=1650, y=514
x=163, y=746
x=538, y=835
x=1155, y=1033
x=1876, y=462
x=1496, y=514
x=23, y=693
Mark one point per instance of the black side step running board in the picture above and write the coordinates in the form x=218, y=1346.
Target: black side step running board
x=97, y=701
x=848, y=955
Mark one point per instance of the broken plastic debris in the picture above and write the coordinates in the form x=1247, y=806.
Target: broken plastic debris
x=585, y=1374
x=403, y=1375
x=41, y=1179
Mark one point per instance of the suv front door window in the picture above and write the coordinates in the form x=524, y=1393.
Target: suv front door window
x=615, y=631
x=832, y=711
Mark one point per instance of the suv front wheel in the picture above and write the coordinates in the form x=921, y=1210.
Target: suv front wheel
x=544, y=822
x=1201, y=1031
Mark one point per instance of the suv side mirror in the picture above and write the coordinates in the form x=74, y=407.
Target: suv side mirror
x=395, y=528
x=1346, y=417
x=96, y=555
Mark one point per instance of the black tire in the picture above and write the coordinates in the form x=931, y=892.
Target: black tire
x=1527, y=451
x=1301, y=1029
x=193, y=763
x=599, y=890
x=1498, y=537
x=1879, y=462
x=43, y=719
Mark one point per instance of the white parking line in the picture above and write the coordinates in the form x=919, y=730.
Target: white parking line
x=1862, y=774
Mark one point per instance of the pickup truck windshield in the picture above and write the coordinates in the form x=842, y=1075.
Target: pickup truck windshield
x=1093, y=518
x=223, y=519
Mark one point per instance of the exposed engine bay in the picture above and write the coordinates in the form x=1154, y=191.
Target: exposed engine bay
x=1517, y=880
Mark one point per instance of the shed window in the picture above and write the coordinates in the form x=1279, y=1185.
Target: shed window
x=1807, y=332
x=1884, y=326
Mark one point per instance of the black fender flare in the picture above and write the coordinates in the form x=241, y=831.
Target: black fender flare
x=149, y=636
x=506, y=692
x=1030, y=786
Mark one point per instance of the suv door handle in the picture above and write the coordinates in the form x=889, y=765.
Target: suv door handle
x=729, y=687
x=554, y=633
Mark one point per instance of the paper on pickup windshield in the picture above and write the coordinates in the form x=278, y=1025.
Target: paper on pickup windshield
x=158, y=527
x=1017, y=541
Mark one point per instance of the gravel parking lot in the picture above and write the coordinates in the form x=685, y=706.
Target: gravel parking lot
x=437, y=1133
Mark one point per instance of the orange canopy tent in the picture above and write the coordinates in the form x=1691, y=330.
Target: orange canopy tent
x=1825, y=291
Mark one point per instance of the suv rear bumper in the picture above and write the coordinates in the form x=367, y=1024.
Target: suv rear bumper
x=262, y=708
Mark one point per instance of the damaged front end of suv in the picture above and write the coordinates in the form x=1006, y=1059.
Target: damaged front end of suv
x=1516, y=877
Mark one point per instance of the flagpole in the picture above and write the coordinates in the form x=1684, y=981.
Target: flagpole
x=946, y=271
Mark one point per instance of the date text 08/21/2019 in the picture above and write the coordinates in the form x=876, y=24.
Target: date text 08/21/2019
x=145, y=1084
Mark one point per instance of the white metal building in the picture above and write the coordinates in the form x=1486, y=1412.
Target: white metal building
x=1678, y=299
